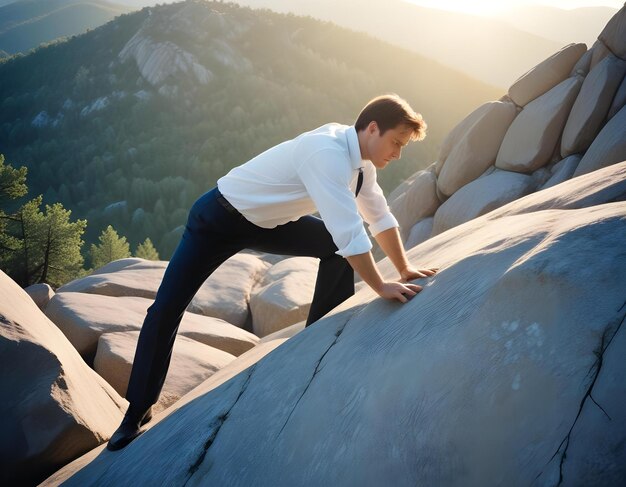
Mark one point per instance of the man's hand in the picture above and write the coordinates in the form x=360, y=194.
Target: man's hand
x=399, y=291
x=409, y=273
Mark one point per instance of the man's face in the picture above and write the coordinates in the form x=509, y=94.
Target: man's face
x=388, y=147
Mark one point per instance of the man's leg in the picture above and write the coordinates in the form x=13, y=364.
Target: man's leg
x=205, y=245
x=308, y=236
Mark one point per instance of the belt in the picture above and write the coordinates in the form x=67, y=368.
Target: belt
x=226, y=204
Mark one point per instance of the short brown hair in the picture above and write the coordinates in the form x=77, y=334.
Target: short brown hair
x=389, y=111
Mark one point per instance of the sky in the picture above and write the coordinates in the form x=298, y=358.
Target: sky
x=490, y=7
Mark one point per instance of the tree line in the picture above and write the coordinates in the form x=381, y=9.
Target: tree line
x=45, y=246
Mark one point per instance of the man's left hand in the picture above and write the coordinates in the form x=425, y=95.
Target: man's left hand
x=411, y=273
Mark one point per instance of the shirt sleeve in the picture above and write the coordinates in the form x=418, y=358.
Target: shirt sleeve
x=372, y=203
x=326, y=176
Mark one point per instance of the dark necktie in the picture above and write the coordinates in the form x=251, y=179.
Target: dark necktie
x=359, y=182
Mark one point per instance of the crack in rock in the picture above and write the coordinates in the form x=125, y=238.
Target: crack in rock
x=595, y=370
x=317, y=366
x=215, y=427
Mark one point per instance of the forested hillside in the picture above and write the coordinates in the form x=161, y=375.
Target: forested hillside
x=25, y=24
x=129, y=123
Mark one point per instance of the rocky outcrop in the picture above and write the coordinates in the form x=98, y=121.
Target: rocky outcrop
x=546, y=74
x=424, y=393
x=157, y=61
x=225, y=294
x=83, y=318
x=283, y=297
x=192, y=362
x=571, y=121
x=608, y=147
x=592, y=105
x=54, y=407
x=41, y=294
x=532, y=137
x=477, y=147
x=480, y=197
x=419, y=200
x=165, y=64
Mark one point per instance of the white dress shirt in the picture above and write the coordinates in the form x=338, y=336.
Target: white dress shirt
x=316, y=171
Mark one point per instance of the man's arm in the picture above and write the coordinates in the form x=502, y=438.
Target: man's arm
x=365, y=266
x=389, y=240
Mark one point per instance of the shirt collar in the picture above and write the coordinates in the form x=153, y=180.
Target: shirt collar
x=353, y=148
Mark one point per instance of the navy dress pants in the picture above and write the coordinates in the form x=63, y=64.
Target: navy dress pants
x=213, y=234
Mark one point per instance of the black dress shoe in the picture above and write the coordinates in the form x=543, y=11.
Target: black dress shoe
x=128, y=430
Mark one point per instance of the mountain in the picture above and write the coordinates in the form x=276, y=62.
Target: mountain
x=557, y=24
x=129, y=123
x=25, y=24
x=489, y=50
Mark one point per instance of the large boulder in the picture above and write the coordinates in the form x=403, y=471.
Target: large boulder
x=619, y=100
x=608, y=147
x=476, y=149
x=480, y=197
x=614, y=34
x=532, y=137
x=54, y=407
x=41, y=294
x=423, y=393
x=592, y=105
x=284, y=295
x=84, y=317
x=546, y=74
x=457, y=133
x=600, y=51
x=563, y=170
x=596, y=188
x=225, y=294
x=420, y=232
x=418, y=201
x=192, y=363
x=583, y=65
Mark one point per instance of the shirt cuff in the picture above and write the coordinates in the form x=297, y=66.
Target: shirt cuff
x=359, y=245
x=385, y=223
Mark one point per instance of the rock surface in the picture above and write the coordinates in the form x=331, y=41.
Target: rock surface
x=477, y=148
x=383, y=393
x=54, y=407
x=546, y=74
x=284, y=295
x=191, y=364
x=609, y=147
x=418, y=201
x=480, y=197
x=563, y=170
x=84, y=317
x=225, y=294
x=592, y=105
x=420, y=232
x=614, y=34
x=533, y=135
x=41, y=294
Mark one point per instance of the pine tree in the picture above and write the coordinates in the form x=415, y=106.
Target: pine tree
x=37, y=247
x=146, y=250
x=111, y=247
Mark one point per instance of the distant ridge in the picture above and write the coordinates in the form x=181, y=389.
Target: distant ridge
x=25, y=24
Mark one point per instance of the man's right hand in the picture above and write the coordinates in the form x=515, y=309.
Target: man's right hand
x=365, y=266
x=398, y=291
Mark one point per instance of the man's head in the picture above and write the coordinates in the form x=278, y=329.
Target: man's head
x=385, y=126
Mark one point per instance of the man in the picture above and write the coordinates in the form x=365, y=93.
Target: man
x=266, y=205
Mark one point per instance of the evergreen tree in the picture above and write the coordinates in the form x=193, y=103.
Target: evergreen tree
x=12, y=182
x=37, y=247
x=111, y=247
x=146, y=250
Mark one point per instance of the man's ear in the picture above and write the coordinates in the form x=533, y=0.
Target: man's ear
x=372, y=127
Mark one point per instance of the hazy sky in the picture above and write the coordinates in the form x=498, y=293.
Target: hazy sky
x=486, y=7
